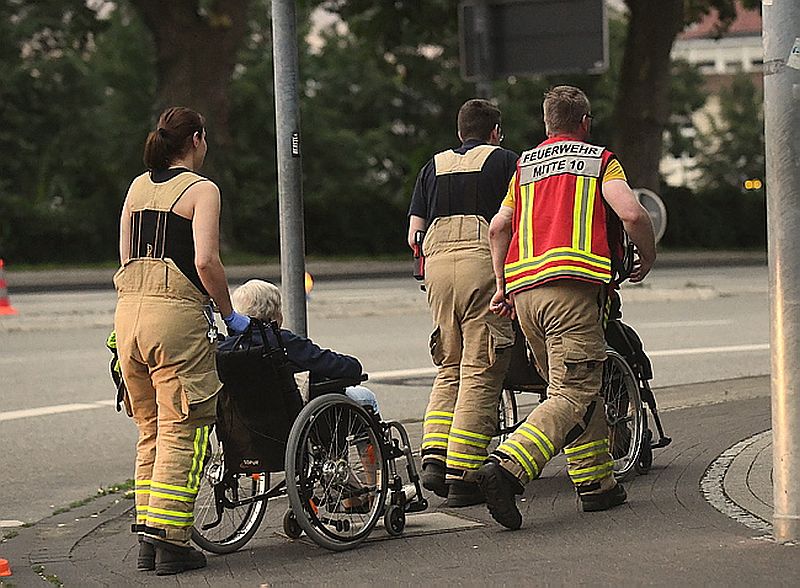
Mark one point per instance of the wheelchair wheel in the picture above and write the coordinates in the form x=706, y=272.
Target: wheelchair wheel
x=624, y=414
x=507, y=413
x=394, y=520
x=646, y=457
x=221, y=524
x=291, y=526
x=335, y=472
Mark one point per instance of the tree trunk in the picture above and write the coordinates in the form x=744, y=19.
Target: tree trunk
x=196, y=54
x=643, y=106
x=195, y=58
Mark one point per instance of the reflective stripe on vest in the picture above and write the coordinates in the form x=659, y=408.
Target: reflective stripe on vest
x=560, y=224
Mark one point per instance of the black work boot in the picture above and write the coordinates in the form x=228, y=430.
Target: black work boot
x=464, y=494
x=146, y=562
x=500, y=489
x=172, y=558
x=432, y=478
x=604, y=500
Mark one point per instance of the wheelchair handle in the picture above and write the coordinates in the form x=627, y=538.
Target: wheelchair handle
x=336, y=384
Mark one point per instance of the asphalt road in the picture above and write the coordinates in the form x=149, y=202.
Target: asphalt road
x=60, y=440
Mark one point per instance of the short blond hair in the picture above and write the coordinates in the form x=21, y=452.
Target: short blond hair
x=259, y=299
x=564, y=108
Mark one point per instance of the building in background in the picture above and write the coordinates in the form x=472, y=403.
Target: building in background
x=719, y=57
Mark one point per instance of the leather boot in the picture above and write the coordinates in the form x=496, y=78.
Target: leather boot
x=172, y=558
x=146, y=562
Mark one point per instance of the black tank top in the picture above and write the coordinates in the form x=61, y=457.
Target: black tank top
x=165, y=234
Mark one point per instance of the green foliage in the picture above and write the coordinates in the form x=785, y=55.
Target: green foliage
x=722, y=218
x=379, y=95
x=69, y=127
x=686, y=97
x=733, y=149
x=720, y=213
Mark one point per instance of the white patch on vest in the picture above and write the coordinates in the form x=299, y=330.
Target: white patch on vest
x=564, y=157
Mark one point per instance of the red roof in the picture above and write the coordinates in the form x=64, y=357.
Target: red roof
x=748, y=22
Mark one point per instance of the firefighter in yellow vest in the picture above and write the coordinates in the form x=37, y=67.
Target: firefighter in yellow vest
x=553, y=243
x=166, y=337
x=456, y=194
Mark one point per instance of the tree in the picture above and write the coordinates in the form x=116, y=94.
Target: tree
x=196, y=45
x=642, y=107
x=70, y=123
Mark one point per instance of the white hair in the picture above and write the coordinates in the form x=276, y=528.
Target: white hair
x=259, y=299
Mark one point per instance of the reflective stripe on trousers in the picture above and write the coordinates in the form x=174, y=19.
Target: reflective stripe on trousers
x=168, y=364
x=468, y=344
x=563, y=325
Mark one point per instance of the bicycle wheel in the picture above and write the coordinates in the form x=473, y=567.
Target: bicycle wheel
x=222, y=524
x=335, y=472
x=624, y=414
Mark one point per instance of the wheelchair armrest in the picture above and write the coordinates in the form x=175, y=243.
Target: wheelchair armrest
x=335, y=385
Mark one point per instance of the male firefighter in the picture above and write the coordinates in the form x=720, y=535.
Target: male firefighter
x=553, y=242
x=456, y=194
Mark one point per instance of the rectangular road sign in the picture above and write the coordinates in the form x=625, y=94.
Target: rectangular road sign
x=501, y=38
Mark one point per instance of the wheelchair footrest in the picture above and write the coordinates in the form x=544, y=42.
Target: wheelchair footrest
x=662, y=442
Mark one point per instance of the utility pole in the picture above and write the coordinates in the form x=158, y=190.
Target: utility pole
x=290, y=181
x=781, y=26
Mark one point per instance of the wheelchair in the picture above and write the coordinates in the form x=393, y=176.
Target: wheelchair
x=339, y=462
x=625, y=389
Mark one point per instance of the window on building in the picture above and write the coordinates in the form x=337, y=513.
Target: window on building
x=733, y=66
x=706, y=66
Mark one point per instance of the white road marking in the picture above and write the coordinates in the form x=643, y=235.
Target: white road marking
x=682, y=324
x=709, y=350
x=383, y=376
x=57, y=409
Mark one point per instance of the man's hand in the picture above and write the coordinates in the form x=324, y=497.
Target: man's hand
x=636, y=223
x=501, y=305
x=641, y=267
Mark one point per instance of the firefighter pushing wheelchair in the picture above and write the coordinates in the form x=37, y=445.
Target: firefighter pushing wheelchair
x=339, y=459
x=625, y=388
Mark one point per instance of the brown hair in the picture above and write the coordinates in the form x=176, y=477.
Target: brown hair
x=172, y=137
x=477, y=118
x=564, y=109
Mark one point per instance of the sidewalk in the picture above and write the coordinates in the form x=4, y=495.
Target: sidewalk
x=667, y=534
x=99, y=279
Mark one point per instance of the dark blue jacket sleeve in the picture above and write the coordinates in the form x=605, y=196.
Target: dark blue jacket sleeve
x=305, y=355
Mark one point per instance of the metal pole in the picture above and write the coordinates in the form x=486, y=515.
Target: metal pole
x=290, y=187
x=483, y=28
x=781, y=26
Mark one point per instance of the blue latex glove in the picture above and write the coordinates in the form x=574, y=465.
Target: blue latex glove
x=236, y=323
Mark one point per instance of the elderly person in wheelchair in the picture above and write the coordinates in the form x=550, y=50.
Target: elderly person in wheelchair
x=262, y=300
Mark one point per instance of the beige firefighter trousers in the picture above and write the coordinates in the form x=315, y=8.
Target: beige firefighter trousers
x=562, y=322
x=168, y=364
x=469, y=345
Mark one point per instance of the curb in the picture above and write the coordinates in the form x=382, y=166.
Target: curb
x=52, y=539
x=22, y=282
x=716, y=488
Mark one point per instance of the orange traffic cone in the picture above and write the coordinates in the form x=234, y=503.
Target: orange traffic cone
x=5, y=569
x=5, y=304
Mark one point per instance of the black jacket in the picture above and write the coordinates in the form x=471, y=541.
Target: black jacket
x=305, y=355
